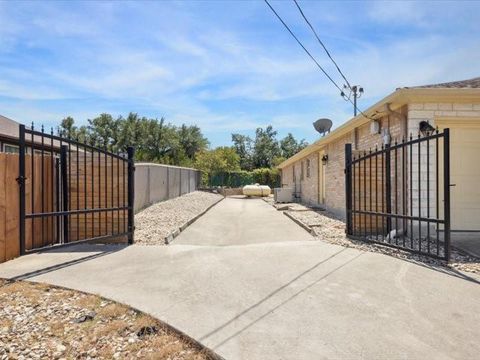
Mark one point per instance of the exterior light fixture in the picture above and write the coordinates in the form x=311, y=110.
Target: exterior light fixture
x=325, y=159
x=425, y=128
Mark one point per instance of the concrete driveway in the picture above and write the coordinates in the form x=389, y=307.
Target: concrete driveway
x=298, y=299
x=240, y=221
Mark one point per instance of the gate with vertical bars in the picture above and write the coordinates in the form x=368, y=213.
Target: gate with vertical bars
x=71, y=191
x=399, y=195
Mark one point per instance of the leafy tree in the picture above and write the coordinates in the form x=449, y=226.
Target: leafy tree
x=265, y=147
x=103, y=130
x=191, y=140
x=265, y=151
x=243, y=147
x=154, y=140
x=289, y=146
x=68, y=128
x=218, y=160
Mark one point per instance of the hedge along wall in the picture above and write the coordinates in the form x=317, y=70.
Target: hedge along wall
x=157, y=182
x=270, y=177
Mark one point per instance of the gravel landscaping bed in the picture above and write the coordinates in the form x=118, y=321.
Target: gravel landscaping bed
x=330, y=228
x=158, y=221
x=38, y=321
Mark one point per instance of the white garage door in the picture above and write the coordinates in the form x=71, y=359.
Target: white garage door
x=465, y=174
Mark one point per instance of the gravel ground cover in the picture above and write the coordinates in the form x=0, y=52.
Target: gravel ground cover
x=156, y=222
x=327, y=227
x=39, y=321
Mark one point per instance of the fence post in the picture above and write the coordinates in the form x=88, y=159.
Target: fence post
x=348, y=188
x=64, y=176
x=131, y=193
x=446, y=190
x=388, y=186
x=21, y=183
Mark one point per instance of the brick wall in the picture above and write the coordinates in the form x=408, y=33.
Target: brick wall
x=309, y=182
x=306, y=185
x=334, y=174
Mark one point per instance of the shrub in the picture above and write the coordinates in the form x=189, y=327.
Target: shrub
x=263, y=176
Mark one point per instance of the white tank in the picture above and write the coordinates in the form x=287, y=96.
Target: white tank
x=256, y=190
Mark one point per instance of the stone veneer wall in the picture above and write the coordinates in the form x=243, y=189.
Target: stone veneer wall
x=418, y=112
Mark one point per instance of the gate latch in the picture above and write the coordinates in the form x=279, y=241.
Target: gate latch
x=21, y=179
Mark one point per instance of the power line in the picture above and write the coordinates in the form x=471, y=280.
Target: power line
x=303, y=47
x=353, y=89
x=321, y=43
x=316, y=62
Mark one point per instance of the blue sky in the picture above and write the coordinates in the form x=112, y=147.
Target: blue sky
x=227, y=66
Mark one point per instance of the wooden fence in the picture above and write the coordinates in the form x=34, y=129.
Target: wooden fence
x=94, y=183
x=9, y=205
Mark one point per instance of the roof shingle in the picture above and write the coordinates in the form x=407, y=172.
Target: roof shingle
x=461, y=84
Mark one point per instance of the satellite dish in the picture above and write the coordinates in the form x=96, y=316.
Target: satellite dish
x=323, y=126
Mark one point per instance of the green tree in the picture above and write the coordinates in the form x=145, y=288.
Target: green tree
x=68, y=128
x=265, y=147
x=218, y=160
x=243, y=147
x=191, y=140
x=154, y=140
x=289, y=146
x=103, y=130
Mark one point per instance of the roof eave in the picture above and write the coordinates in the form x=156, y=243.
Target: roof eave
x=396, y=99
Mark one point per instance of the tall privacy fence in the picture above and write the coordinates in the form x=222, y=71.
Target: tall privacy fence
x=57, y=190
x=156, y=182
x=270, y=177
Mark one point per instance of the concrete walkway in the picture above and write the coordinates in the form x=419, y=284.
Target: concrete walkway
x=240, y=221
x=278, y=300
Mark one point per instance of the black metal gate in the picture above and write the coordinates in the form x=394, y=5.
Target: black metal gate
x=71, y=191
x=399, y=195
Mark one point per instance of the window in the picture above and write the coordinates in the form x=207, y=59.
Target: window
x=13, y=149
x=302, y=177
x=308, y=168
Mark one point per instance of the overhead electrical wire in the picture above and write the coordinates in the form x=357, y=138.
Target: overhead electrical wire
x=303, y=47
x=315, y=60
x=321, y=43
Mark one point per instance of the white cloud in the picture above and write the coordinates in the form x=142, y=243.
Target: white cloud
x=167, y=59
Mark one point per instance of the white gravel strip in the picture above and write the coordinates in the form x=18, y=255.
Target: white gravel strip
x=158, y=221
x=327, y=227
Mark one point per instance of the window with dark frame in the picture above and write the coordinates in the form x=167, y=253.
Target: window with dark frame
x=308, y=168
x=11, y=149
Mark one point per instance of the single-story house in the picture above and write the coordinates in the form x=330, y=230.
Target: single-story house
x=8, y=135
x=9, y=138
x=316, y=174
